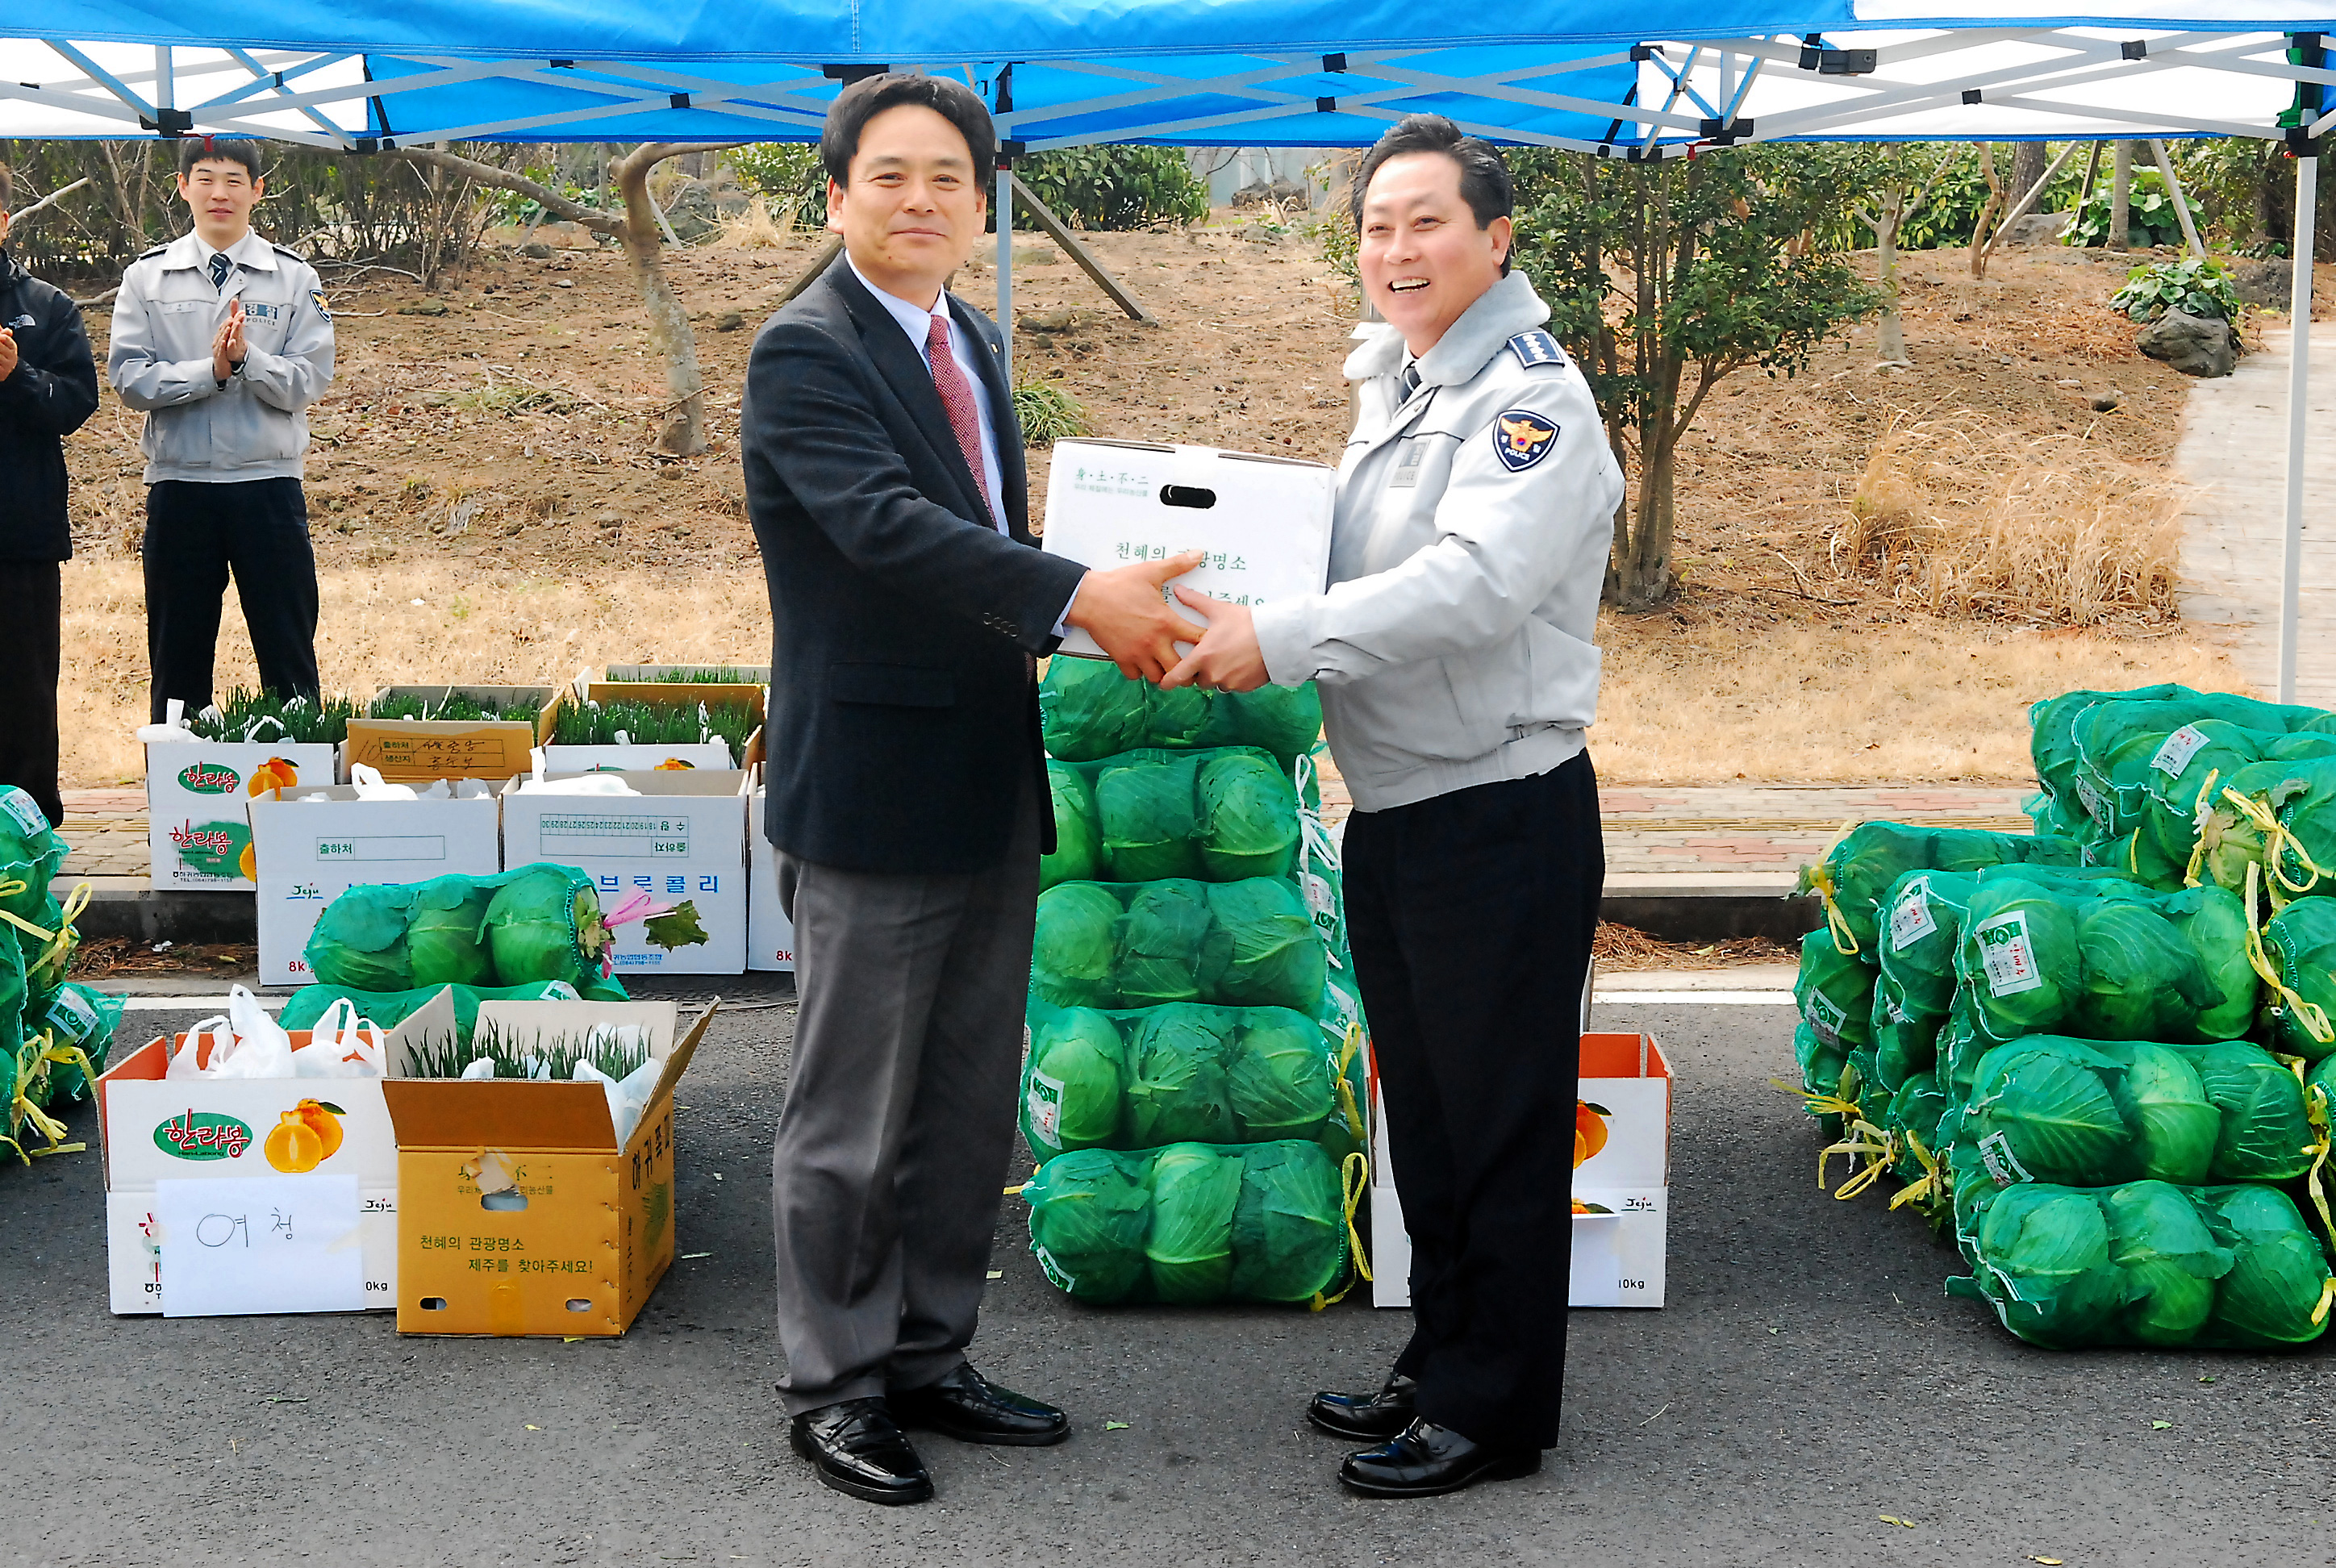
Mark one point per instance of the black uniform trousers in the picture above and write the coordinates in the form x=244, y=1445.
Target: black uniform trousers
x=30, y=614
x=1470, y=916
x=196, y=534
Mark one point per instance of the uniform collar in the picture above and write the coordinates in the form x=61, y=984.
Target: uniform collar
x=188, y=250
x=1500, y=313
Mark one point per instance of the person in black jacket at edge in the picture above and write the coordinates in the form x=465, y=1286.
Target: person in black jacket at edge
x=48, y=390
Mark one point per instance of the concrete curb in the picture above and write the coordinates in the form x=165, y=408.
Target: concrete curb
x=1703, y=908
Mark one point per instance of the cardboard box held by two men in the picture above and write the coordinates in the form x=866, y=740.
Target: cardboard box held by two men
x=491, y=1206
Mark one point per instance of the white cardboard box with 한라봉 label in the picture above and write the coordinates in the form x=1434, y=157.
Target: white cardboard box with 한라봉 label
x=1621, y=1181
x=311, y=851
x=198, y=834
x=159, y=1130
x=770, y=935
x=681, y=838
x=1263, y=523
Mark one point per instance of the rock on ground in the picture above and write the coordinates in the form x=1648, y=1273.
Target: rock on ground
x=2192, y=344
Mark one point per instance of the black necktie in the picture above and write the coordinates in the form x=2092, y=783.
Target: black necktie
x=1410, y=379
x=220, y=267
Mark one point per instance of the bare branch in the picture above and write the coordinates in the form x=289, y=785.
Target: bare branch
x=543, y=195
x=47, y=200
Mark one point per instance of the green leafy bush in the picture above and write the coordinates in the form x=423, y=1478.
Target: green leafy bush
x=2149, y=214
x=2200, y=287
x=785, y=175
x=1116, y=188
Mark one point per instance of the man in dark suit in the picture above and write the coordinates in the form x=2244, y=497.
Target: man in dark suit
x=908, y=800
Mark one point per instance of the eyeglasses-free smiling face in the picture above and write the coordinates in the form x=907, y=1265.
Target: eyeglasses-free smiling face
x=1423, y=260
x=913, y=211
x=221, y=193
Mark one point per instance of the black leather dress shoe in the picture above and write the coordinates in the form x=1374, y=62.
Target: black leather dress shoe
x=971, y=1408
x=1425, y=1460
x=858, y=1448
x=1365, y=1417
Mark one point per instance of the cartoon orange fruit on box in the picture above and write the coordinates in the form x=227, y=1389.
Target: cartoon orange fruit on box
x=247, y=862
x=273, y=773
x=305, y=1136
x=1589, y=1130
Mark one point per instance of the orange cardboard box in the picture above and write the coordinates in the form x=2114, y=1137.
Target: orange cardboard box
x=422, y=750
x=517, y=1212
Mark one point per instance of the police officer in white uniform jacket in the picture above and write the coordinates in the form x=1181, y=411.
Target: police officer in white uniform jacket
x=1457, y=674
x=223, y=340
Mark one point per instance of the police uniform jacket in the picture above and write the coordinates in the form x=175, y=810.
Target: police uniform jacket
x=51, y=394
x=1467, y=551
x=255, y=426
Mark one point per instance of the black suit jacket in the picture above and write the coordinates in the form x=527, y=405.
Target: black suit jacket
x=904, y=713
x=51, y=394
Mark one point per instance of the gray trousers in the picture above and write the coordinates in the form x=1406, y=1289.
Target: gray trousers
x=888, y=1169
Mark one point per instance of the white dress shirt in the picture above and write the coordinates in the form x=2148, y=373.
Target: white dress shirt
x=916, y=322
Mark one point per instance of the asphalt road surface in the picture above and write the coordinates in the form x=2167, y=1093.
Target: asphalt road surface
x=1806, y=1378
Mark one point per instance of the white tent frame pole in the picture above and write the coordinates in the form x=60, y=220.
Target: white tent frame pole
x=1002, y=203
x=2298, y=399
x=2181, y=198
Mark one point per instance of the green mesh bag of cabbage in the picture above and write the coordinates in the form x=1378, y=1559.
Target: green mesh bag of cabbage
x=1187, y=1073
x=1253, y=943
x=390, y=1008
x=2147, y=1263
x=2077, y=798
x=2104, y=964
x=1857, y=873
x=2098, y=1112
x=1214, y=815
x=534, y=922
x=79, y=1021
x=30, y=855
x=1835, y=993
x=1196, y=1223
x=2276, y=819
x=1088, y=711
x=2298, y=965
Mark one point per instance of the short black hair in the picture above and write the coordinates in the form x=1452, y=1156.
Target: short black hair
x=194, y=150
x=869, y=96
x=1485, y=182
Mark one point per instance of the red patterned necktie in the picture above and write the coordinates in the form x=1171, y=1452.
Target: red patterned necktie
x=957, y=396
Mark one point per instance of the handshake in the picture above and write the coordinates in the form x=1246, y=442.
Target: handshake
x=1128, y=613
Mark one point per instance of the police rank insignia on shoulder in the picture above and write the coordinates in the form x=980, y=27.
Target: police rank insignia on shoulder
x=1523, y=438
x=318, y=296
x=1537, y=347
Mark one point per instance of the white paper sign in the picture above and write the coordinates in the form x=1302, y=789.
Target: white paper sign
x=260, y=1244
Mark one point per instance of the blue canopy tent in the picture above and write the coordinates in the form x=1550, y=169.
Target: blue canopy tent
x=1660, y=79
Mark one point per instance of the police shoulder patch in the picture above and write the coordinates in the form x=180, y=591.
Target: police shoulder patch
x=318, y=295
x=1523, y=438
x=1537, y=347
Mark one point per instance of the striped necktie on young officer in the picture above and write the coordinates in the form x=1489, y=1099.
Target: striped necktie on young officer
x=957, y=396
x=221, y=265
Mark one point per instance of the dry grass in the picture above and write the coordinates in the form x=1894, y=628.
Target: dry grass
x=1906, y=701
x=399, y=625
x=756, y=229
x=1959, y=515
x=1620, y=949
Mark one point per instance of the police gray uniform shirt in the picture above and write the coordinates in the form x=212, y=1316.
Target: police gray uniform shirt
x=160, y=360
x=1467, y=552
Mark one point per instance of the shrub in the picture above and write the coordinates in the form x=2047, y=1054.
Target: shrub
x=1116, y=187
x=1047, y=413
x=788, y=175
x=2199, y=287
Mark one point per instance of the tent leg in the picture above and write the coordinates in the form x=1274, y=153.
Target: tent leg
x=2299, y=387
x=1060, y=233
x=1003, y=205
x=2181, y=199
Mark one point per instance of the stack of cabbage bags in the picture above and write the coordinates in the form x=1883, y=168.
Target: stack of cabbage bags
x=1193, y=1082
x=2113, y=1081
x=54, y=1034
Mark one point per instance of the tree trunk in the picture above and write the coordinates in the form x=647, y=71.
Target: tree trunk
x=2027, y=165
x=1890, y=332
x=2121, y=199
x=1645, y=569
x=684, y=432
x=1985, y=225
x=670, y=334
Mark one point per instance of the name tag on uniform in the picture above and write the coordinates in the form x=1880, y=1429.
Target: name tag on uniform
x=253, y=308
x=1406, y=469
